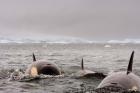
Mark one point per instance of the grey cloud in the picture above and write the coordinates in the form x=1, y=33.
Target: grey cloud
x=90, y=19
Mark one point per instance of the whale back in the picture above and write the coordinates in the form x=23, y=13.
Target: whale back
x=126, y=80
x=42, y=67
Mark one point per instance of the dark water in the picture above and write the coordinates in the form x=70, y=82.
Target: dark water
x=67, y=57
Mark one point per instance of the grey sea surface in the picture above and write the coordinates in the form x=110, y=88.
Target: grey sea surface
x=103, y=58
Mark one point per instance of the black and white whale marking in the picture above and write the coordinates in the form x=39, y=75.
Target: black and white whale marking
x=87, y=73
x=42, y=67
x=124, y=79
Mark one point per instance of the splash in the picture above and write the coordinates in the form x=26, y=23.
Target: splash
x=20, y=76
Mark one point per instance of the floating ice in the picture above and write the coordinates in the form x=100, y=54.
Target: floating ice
x=107, y=46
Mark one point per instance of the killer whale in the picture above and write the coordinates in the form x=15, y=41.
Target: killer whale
x=87, y=73
x=125, y=79
x=42, y=67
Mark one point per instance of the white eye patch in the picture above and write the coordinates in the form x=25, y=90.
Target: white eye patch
x=134, y=88
x=34, y=71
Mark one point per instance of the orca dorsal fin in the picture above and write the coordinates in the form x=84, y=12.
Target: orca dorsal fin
x=34, y=58
x=82, y=64
x=129, y=69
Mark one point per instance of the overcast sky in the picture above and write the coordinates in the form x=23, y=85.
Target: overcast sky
x=88, y=19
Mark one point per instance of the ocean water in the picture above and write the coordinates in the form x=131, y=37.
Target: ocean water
x=103, y=58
